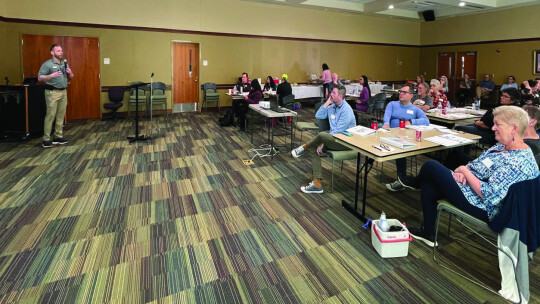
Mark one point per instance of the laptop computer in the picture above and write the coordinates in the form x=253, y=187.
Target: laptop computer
x=274, y=105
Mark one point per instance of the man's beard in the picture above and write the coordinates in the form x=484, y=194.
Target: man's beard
x=59, y=57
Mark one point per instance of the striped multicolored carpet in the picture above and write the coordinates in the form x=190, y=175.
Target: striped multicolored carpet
x=181, y=219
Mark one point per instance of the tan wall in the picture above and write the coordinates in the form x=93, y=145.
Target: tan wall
x=230, y=16
x=134, y=55
x=516, y=23
x=514, y=58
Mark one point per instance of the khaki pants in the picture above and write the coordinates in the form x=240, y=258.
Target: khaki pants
x=480, y=93
x=329, y=142
x=56, y=109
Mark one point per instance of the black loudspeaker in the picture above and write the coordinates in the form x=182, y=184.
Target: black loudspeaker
x=429, y=15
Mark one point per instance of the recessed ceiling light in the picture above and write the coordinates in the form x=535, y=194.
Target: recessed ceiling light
x=391, y=6
x=462, y=4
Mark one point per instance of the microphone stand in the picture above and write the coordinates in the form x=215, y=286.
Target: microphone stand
x=151, y=106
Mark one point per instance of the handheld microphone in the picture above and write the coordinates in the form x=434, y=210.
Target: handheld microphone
x=65, y=65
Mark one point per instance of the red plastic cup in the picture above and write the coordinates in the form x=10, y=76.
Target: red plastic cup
x=443, y=111
x=374, y=125
x=402, y=123
x=418, y=135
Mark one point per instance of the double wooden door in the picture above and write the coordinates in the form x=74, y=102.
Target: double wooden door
x=82, y=54
x=454, y=65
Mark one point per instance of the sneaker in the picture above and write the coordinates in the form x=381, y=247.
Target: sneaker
x=421, y=235
x=298, y=151
x=59, y=141
x=408, y=182
x=395, y=186
x=46, y=144
x=311, y=188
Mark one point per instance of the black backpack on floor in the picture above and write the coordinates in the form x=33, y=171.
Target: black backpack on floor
x=227, y=119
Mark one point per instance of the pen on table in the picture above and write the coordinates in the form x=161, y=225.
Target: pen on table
x=378, y=148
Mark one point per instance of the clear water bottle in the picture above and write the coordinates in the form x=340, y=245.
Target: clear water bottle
x=383, y=223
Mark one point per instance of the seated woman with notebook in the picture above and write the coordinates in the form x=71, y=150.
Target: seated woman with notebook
x=479, y=187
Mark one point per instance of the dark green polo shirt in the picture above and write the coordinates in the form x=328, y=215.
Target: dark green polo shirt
x=49, y=67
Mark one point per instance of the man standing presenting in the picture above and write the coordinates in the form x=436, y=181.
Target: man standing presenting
x=340, y=117
x=55, y=74
x=395, y=111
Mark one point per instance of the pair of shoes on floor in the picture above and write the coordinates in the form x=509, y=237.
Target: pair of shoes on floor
x=312, y=188
x=56, y=141
x=423, y=236
x=403, y=182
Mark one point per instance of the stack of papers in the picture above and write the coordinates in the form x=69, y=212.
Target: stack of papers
x=425, y=128
x=449, y=140
x=397, y=142
x=361, y=130
x=460, y=115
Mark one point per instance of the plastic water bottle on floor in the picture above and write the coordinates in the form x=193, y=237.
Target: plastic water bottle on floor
x=383, y=223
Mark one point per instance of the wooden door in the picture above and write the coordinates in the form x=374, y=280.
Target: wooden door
x=185, y=73
x=466, y=64
x=446, y=67
x=82, y=54
x=84, y=95
x=454, y=66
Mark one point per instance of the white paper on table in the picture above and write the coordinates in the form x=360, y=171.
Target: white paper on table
x=460, y=115
x=449, y=140
x=448, y=131
x=361, y=130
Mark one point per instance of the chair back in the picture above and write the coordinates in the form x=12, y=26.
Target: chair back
x=323, y=124
x=371, y=104
x=380, y=99
x=209, y=87
x=387, y=87
x=288, y=101
x=132, y=90
x=158, y=88
x=116, y=94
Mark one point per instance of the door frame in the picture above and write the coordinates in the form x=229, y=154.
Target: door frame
x=180, y=108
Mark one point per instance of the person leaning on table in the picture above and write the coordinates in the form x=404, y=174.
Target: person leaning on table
x=479, y=187
x=402, y=109
x=340, y=117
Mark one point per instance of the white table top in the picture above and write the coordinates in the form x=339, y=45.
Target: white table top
x=271, y=114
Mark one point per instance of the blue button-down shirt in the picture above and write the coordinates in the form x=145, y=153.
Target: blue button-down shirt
x=340, y=117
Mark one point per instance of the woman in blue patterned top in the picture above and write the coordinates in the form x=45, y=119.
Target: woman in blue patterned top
x=479, y=187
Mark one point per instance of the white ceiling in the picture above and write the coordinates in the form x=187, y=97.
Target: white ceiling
x=409, y=9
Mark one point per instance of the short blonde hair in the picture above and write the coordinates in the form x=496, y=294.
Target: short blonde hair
x=514, y=116
x=534, y=113
x=435, y=82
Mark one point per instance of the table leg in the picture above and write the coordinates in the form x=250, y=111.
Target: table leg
x=366, y=167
